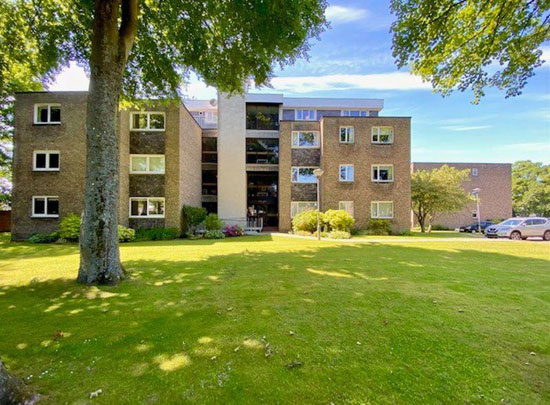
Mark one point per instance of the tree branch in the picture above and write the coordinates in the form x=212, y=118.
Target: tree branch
x=128, y=28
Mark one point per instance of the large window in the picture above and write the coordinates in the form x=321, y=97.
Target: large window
x=146, y=207
x=210, y=182
x=354, y=113
x=381, y=209
x=262, y=116
x=346, y=206
x=303, y=175
x=147, y=164
x=305, y=139
x=347, y=135
x=382, y=173
x=46, y=161
x=382, y=135
x=305, y=115
x=47, y=114
x=45, y=207
x=209, y=150
x=346, y=173
x=297, y=207
x=147, y=121
x=262, y=151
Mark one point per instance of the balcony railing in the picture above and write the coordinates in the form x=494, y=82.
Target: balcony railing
x=206, y=124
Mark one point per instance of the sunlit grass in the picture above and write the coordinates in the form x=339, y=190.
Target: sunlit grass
x=283, y=320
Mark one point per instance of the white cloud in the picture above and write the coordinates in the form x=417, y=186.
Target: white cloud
x=72, y=78
x=545, y=55
x=341, y=14
x=465, y=128
x=527, y=147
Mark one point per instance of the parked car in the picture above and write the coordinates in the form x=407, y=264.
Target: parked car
x=520, y=228
x=473, y=227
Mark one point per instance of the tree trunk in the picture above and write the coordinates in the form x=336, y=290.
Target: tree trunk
x=13, y=389
x=99, y=254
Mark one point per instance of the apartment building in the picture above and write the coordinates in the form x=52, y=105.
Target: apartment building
x=248, y=157
x=494, y=184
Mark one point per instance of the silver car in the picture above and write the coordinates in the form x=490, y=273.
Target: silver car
x=520, y=228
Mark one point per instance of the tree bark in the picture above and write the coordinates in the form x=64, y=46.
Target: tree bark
x=99, y=253
x=13, y=389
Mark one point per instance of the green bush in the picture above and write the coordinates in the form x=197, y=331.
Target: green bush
x=213, y=222
x=191, y=217
x=405, y=233
x=324, y=234
x=378, y=227
x=69, y=228
x=438, y=227
x=126, y=234
x=303, y=233
x=306, y=221
x=157, y=233
x=214, y=234
x=44, y=237
x=339, y=235
x=339, y=220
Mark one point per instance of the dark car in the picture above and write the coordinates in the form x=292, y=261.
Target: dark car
x=473, y=227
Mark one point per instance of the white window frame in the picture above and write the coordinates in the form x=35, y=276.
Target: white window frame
x=347, y=206
x=349, y=136
x=313, y=118
x=347, y=171
x=148, y=128
x=377, y=129
x=46, y=199
x=47, y=168
x=148, y=215
x=475, y=172
x=347, y=113
x=378, y=166
x=49, y=121
x=294, y=205
x=295, y=141
x=298, y=168
x=377, y=203
x=148, y=157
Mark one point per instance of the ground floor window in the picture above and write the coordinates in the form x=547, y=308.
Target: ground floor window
x=146, y=207
x=346, y=206
x=297, y=207
x=381, y=209
x=45, y=207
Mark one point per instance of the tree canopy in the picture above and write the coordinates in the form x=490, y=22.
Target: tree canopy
x=461, y=44
x=531, y=188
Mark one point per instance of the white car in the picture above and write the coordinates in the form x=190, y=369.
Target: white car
x=520, y=228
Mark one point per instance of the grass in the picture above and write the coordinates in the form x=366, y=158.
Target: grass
x=418, y=234
x=283, y=320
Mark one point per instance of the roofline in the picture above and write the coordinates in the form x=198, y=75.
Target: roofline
x=463, y=163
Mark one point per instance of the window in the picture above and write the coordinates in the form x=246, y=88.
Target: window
x=297, y=207
x=303, y=175
x=381, y=209
x=262, y=151
x=346, y=206
x=147, y=164
x=474, y=172
x=262, y=116
x=474, y=214
x=146, y=207
x=47, y=114
x=209, y=150
x=147, y=121
x=346, y=173
x=45, y=207
x=347, y=135
x=45, y=161
x=382, y=135
x=354, y=113
x=382, y=173
x=304, y=115
x=305, y=139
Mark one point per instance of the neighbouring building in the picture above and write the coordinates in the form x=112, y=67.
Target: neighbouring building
x=494, y=181
x=248, y=157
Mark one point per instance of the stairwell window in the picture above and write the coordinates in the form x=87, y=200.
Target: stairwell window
x=45, y=207
x=47, y=114
x=346, y=173
x=147, y=164
x=346, y=206
x=354, y=113
x=147, y=121
x=303, y=175
x=297, y=207
x=382, y=135
x=305, y=115
x=381, y=209
x=347, y=135
x=305, y=139
x=46, y=161
x=382, y=173
x=147, y=207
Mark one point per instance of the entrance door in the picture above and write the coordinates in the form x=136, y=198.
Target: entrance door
x=263, y=199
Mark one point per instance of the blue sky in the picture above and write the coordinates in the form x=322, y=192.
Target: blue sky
x=353, y=59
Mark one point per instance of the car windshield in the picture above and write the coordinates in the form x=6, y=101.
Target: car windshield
x=511, y=222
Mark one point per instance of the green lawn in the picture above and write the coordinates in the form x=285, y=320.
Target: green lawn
x=283, y=320
x=418, y=234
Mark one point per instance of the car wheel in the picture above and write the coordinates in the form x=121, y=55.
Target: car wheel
x=515, y=235
x=546, y=236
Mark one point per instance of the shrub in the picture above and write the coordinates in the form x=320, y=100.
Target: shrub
x=323, y=234
x=339, y=235
x=213, y=222
x=378, y=227
x=438, y=227
x=233, y=230
x=405, y=233
x=306, y=221
x=214, y=234
x=191, y=217
x=339, y=220
x=157, y=233
x=126, y=234
x=69, y=228
x=303, y=233
x=44, y=237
